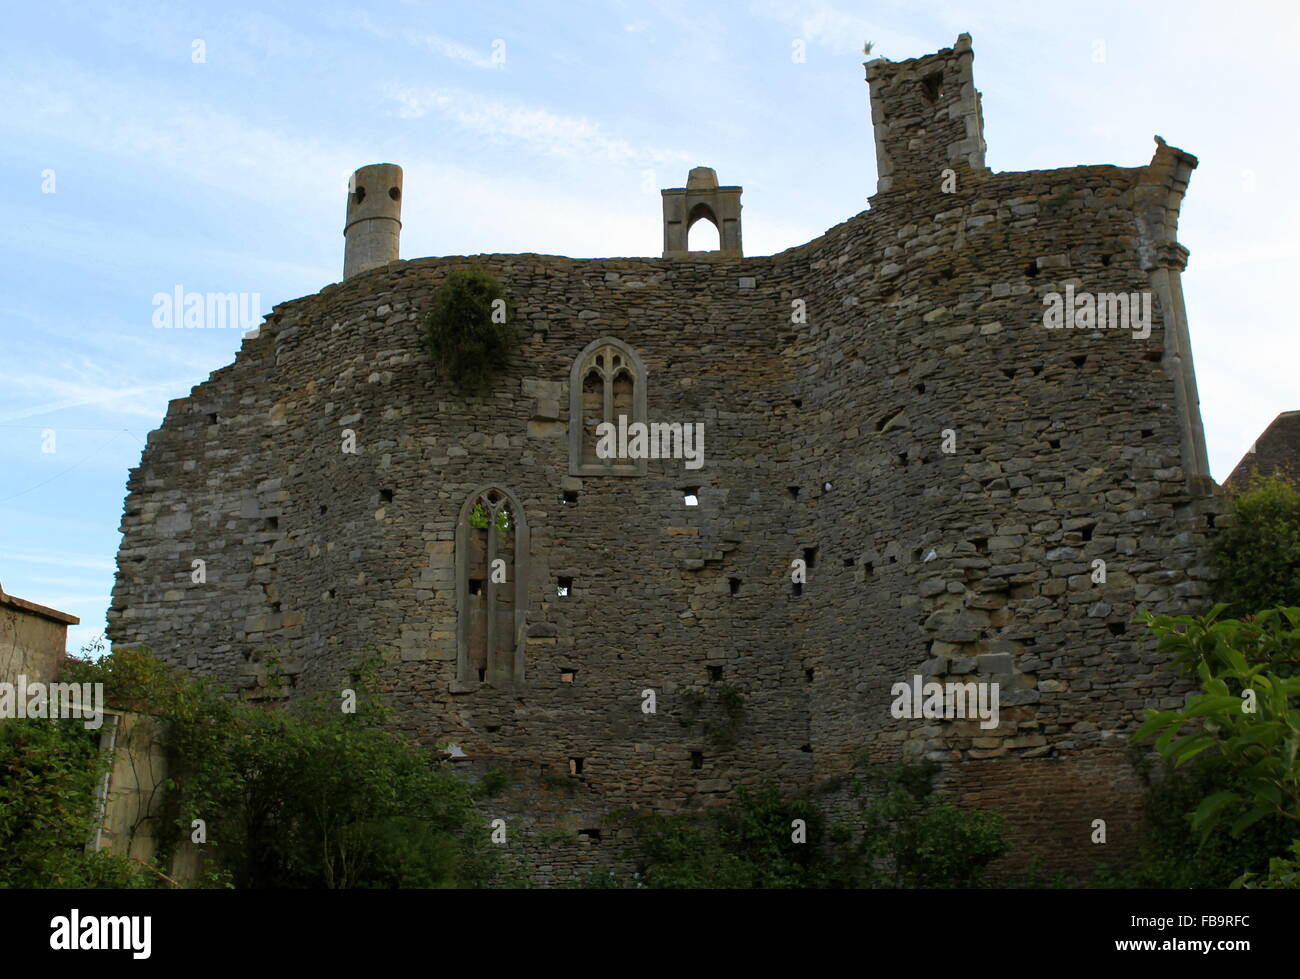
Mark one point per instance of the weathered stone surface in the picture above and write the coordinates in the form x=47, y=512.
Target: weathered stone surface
x=823, y=435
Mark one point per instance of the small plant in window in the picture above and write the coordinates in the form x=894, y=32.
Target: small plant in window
x=478, y=518
x=470, y=331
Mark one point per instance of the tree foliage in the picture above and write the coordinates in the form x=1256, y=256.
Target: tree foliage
x=307, y=795
x=1257, y=554
x=911, y=840
x=747, y=845
x=1247, y=713
x=48, y=773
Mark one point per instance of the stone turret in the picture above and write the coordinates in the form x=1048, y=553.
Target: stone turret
x=926, y=115
x=374, y=219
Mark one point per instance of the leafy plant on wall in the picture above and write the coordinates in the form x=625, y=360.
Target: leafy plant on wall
x=470, y=329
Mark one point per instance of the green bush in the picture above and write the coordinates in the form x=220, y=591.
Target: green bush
x=1283, y=873
x=306, y=796
x=470, y=330
x=747, y=845
x=1246, y=719
x=911, y=841
x=906, y=840
x=331, y=800
x=1257, y=554
x=48, y=773
x=1173, y=855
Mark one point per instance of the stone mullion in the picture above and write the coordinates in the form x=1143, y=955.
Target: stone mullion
x=607, y=388
x=491, y=592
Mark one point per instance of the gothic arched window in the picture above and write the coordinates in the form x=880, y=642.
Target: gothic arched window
x=491, y=588
x=607, y=383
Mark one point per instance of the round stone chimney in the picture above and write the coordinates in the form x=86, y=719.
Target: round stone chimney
x=374, y=218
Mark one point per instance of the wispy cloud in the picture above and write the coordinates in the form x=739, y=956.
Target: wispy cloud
x=535, y=129
x=81, y=383
x=131, y=123
x=479, y=57
x=66, y=601
x=838, y=30
x=452, y=49
x=58, y=560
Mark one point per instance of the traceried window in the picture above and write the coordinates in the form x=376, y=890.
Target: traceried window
x=491, y=590
x=607, y=383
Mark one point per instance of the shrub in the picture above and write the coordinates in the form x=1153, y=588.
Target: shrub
x=470, y=330
x=1283, y=873
x=305, y=796
x=746, y=845
x=1258, y=553
x=911, y=841
x=908, y=841
x=48, y=773
x=330, y=800
x=1173, y=855
x=1245, y=717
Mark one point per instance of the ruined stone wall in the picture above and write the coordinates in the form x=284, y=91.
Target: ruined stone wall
x=978, y=564
x=824, y=441
x=304, y=556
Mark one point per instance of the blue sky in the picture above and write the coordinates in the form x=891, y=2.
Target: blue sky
x=228, y=175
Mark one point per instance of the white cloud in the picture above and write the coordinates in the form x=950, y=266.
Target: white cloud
x=452, y=49
x=62, y=561
x=492, y=206
x=479, y=57
x=534, y=129
x=841, y=31
x=62, y=602
x=82, y=382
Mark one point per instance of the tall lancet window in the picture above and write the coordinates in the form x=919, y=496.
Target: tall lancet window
x=607, y=383
x=491, y=589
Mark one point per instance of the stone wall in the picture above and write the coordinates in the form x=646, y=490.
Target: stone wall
x=33, y=640
x=132, y=821
x=825, y=441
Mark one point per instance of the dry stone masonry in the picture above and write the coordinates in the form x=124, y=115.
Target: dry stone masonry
x=883, y=404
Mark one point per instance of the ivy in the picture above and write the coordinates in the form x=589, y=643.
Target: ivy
x=479, y=521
